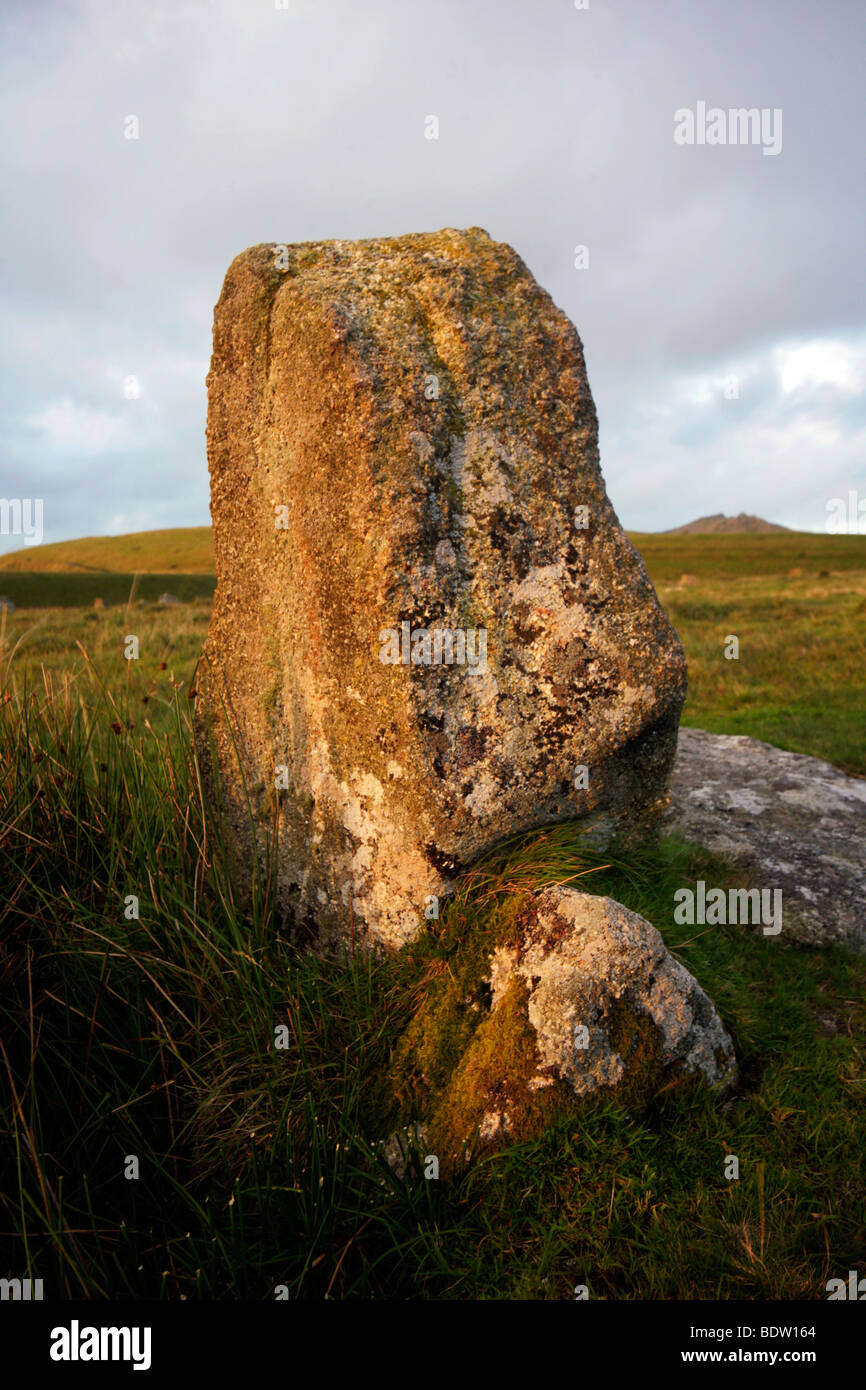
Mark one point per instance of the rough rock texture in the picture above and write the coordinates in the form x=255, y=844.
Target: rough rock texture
x=583, y=995
x=583, y=959
x=788, y=821
x=400, y=431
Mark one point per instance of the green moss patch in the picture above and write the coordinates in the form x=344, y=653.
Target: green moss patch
x=458, y=1065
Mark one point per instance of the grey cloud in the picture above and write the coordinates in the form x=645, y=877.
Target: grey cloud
x=556, y=129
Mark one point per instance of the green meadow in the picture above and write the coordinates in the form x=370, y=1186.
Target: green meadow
x=795, y=601
x=152, y=1036
x=797, y=604
x=186, y=549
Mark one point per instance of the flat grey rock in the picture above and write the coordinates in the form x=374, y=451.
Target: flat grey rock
x=788, y=821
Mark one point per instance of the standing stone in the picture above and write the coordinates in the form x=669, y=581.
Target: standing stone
x=429, y=630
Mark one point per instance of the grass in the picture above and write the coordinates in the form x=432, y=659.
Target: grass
x=798, y=681
x=186, y=548
x=154, y=1037
x=68, y=643
x=77, y=589
x=259, y=1167
x=795, y=601
x=740, y=556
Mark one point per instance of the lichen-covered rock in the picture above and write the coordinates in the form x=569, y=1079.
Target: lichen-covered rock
x=430, y=630
x=791, y=823
x=581, y=996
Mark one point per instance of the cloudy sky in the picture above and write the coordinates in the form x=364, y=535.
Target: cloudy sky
x=722, y=307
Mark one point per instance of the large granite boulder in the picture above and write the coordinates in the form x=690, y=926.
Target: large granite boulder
x=787, y=821
x=430, y=630
x=580, y=996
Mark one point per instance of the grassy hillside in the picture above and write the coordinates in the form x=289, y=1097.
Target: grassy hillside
x=795, y=601
x=152, y=1033
x=188, y=549
x=144, y=1026
x=30, y=589
x=716, y=557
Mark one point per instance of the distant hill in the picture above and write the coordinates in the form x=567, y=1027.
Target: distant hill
x=185, y=550
x=721, y=525
x=73, y=574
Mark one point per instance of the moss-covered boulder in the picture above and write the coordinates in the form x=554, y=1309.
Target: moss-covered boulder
x=430, y=630
x=572, y=995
